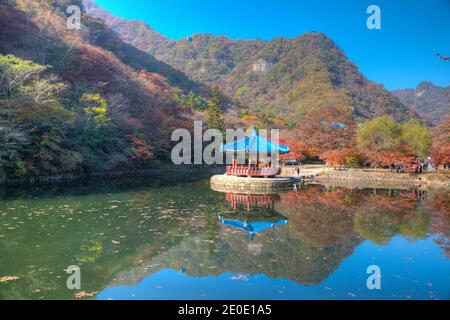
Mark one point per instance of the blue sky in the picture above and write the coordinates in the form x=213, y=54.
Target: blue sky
x=399, y=55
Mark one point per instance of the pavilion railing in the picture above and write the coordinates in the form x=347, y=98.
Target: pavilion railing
x=252, y=171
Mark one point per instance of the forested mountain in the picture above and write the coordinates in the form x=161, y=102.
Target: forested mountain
x=80, y=100
x=283, y=77
x=430, y=101
x=108, y=96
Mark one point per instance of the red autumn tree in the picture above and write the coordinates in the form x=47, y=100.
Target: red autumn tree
x=143, y=150
x=441, y=156
x=298, y=150
x=440, y=152
x=384, y=158
x=326, y=129
x=347, y=156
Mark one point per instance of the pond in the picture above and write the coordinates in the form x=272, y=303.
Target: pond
x=164, y=239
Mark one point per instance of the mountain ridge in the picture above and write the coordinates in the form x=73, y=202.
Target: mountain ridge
x=285, y=77
x=432, y=102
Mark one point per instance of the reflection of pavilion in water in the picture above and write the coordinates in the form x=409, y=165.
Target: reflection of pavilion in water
x=252, y=213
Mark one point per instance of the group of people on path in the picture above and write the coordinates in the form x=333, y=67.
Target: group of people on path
x=420, y=166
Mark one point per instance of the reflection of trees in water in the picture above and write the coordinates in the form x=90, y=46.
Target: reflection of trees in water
x=277, y=253
x=323, y=229
x=439, y=208
x=382, y=217
x=376, y=215
x=177, y=227
x=283, y=252
x=91, y=250
x=380, y=227
x=212, y=228
x=104, y=233
x=321, y=218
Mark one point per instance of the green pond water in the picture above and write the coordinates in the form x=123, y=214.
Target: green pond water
x=176, y=239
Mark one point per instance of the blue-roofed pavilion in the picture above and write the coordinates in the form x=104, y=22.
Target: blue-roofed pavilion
x=254, y=144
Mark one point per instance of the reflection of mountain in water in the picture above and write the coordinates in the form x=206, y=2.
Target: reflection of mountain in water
x=281, y=252
x=327, y=215
x=128, y=236
x=323, y=230
x=278, y=253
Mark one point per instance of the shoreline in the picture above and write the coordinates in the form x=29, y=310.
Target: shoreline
x=156, y=172
x=353, y=178
x=362, y=177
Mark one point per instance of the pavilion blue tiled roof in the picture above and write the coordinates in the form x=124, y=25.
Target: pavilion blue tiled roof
x=255, y=143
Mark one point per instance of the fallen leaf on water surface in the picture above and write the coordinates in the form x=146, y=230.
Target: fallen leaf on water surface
x=8, y=278
x=239, y=277
x=83, y=294
x=115, y=242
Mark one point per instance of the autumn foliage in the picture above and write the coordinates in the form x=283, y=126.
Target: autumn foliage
x=440, y=152
x=86, y=101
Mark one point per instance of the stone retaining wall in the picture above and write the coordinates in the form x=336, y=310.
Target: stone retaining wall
x=225, y=183
x=359, y=176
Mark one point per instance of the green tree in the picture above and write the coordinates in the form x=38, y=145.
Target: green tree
x=381, y=133
x=31, y=117
x=178, y=96
x=23, y=82
x=190, y=100
x=95, y=107
x=13, y=142
x=214, y=120
x=417, y=137
x=195, y=102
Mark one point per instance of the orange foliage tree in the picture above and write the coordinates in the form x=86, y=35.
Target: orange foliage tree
x=402, y=155
x=348, y=156
x=326, y=131
x=440, y=152
x=298, y=150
